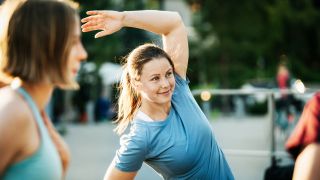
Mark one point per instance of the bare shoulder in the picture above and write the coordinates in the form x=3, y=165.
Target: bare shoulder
x=15, y=127
x=14, y=112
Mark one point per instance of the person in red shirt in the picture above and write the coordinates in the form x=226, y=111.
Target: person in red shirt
x=287, y=106
x=304, y=142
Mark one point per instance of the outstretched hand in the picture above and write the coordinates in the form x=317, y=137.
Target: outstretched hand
x=106, y=21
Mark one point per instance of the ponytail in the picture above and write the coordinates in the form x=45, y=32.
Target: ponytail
x=128, y=103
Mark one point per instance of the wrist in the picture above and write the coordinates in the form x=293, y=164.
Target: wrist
x=124, y=15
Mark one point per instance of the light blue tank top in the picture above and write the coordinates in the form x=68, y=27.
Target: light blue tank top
x=45, y=163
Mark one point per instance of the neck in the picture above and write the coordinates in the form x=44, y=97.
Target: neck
x=156, y=111
x=40, y=93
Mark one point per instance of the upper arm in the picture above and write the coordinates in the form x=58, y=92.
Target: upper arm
x=175, y=43
x=6, y=150
x=308, y=162
x=130, y=156
x=114, y=174
x=13, y=130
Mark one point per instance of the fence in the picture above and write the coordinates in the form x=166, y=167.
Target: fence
x=270, y=96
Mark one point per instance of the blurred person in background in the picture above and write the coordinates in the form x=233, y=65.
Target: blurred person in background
x=287, y=106
x=168, y=130
x=40, y=50
x=304, y=142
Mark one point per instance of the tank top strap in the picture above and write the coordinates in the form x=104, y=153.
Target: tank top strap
x=34, y=109
x=44, y=163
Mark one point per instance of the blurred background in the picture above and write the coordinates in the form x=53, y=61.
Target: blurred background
x=235, y=52
x=232, y=46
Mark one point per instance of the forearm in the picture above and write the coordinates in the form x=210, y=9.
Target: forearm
x=167, y=24
x=159, y=22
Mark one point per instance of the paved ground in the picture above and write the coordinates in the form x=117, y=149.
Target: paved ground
x=93, y=146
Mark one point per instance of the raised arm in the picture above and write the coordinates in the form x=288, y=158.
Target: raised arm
x=167, y=24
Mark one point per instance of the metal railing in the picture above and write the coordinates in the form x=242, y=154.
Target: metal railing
x=270, y=93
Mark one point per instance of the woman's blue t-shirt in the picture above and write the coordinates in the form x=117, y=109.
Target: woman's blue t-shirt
x=180, y=147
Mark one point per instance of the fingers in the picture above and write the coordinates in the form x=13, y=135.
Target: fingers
x=94, y=12
x=91, y=28
x=86, y=19
x=92, y=24
x=101, y=33
x=97, y=20
x=91, y=18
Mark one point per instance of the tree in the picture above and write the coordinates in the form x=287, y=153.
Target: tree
x=237, y=40
x=113, y=47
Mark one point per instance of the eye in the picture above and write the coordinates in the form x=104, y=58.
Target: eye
x=169, y=74
x=155, y=78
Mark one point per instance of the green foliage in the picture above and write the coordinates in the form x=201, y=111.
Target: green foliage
x=237, y=41
x=113, y=47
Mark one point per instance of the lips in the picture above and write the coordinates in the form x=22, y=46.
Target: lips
x=166, y=92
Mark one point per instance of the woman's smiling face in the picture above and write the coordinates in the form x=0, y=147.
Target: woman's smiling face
x=156, y=83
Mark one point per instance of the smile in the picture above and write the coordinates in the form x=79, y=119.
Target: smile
x=165, y=93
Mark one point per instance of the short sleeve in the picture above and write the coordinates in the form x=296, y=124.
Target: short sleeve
x=307, y=129
x=133, y=150
x=180, y=81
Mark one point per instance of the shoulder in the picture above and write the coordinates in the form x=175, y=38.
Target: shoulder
x=182, y=89
x=133, y=151
x=181, y=82
x=137, y=136
x=15, y=115
x=12, y=106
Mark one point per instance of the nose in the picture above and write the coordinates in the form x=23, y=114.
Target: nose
x=82, y=53
x=165, y=83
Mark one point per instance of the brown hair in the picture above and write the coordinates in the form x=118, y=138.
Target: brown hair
x=129, y=100
x=36, y=43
